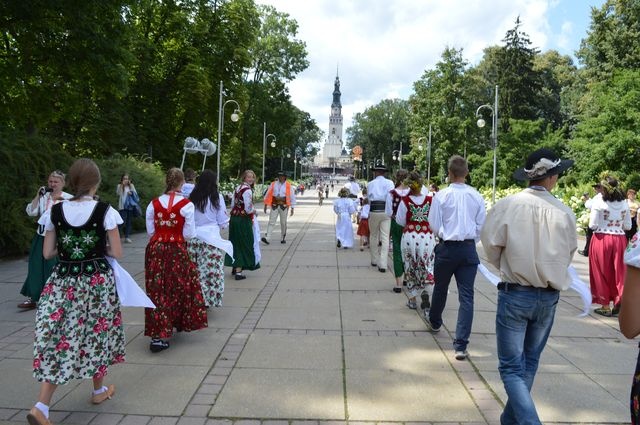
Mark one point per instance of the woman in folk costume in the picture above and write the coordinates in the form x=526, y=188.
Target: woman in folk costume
x=418, y=242
x=208, y=248
x=395, y=231
x=609, y=218
x=39, y=267
x=78, y=332
x=244, y=232
x=344, y=207
x=171, y=277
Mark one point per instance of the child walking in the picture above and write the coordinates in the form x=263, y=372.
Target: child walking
x=363, y=224
x=79, y=330
x=344, y=207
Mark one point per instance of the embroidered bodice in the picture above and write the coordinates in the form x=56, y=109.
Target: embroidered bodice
x=168, y=222
x=238, y=202
x=417, y=215
x=81, y=249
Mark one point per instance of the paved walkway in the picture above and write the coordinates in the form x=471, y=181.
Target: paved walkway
x=317, y=337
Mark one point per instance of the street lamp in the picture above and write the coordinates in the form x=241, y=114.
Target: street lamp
x=297, y=154
x=265, y=137
x=282, y=157
x=494, y=135
x=428, y=153
x=235, y=116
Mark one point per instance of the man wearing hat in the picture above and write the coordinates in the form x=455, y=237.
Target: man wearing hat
x=281, y=198
x=530, y=237
x=456, y=215
x=379, y=221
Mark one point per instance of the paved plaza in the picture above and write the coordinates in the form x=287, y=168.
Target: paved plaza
x=317, y=337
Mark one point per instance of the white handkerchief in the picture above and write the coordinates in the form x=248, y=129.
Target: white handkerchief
x=130, y=294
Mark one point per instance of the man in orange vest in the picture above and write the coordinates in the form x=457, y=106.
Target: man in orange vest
x=280, y=197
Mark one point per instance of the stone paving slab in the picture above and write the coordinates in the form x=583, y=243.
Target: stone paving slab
x=282, y=394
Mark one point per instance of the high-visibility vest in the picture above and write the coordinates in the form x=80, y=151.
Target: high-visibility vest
x=268, y=199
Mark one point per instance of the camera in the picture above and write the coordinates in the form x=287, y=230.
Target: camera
x=44, y=190
x=48, y=189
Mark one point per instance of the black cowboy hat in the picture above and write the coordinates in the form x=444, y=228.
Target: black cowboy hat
x=281, y=173
x=540, y=164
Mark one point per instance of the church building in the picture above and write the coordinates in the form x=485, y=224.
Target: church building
x=333, y=158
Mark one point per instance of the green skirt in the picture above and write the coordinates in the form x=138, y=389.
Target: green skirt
x=39, y=270
x=396, y=238
x=242, y=238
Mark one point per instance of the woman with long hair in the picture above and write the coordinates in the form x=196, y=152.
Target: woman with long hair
x=207, y=248
x=79, y=331
x=391, y=207
x=126, y=192
x=39, y=267
x=609, y=218
x=171, y=277
x=243, y=227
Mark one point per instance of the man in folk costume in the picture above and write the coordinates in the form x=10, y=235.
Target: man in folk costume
x=281, y=198
x=379, y=221
x=531, y=238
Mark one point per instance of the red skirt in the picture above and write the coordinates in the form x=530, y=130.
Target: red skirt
x=172, y=283
x=606, y=267
x=363, y=227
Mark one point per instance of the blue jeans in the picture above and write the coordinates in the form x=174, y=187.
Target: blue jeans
x=523, y=322
x=127, y=217
x=459, y=259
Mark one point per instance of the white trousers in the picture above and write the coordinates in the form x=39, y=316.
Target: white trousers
x=379, y=225
x=273, y=216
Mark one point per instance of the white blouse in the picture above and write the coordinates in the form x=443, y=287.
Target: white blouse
x=210, y=215
x=187, y=211
x=610, y=217
x=632, y=253
x=78, y=212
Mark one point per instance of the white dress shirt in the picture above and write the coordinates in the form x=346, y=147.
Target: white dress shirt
x=378, y=188
x=457, y=213
x=280, y=191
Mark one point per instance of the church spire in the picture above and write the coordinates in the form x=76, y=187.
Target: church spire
x=336, y=92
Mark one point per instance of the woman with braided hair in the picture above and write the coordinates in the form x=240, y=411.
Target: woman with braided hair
x=609, y=218
x=418, y=242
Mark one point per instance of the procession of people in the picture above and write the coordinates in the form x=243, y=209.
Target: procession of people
x=430, y=235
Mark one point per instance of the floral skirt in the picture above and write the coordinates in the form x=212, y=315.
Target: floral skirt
x=418, y=256
x=210, y=263
x=79, y=330
x=172, y=283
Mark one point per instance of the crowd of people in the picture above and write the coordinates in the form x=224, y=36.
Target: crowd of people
x=530, y=237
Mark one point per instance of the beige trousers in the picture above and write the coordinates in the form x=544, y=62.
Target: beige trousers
x=273, y=216
x=379, y=225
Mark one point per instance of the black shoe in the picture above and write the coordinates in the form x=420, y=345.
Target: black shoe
x=374, y=264
x=397, y=289
x=584, y=252
x=233, y=272
x=265, y=240
x=240, y=276
x=339, y=244
x=283, y=241
x=404, y=283
x=381, y=270
x=425, y=304
x=158, y=345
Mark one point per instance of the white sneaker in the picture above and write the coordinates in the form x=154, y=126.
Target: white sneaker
x=462, y=355
x=127, y=240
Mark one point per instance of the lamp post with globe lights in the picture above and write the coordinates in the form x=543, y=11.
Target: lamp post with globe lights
x=265, y=138
x=494, y=135
x=235, y=116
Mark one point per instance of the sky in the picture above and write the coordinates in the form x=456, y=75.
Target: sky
x=381, y=47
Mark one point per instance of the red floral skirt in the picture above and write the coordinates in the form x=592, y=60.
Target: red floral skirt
x=172, y=283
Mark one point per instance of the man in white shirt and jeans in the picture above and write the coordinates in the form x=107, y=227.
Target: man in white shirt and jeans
x=531, y=238
x=456, y=216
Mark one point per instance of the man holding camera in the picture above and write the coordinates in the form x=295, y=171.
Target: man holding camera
x=39, y=268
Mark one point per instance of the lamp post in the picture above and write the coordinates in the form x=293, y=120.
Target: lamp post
x=494, y=135
x=428, y=154
x=234, y=117
x=297, y=154
x=282, y=157
x=265, y=137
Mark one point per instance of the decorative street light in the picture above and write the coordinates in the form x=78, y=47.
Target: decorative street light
x=282, y=150
x=297, y=154
x=494, y=135
x=266, y=136
x=235, y=116
x=428, y=155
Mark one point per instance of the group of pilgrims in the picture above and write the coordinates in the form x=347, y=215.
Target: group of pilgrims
x=79, y=331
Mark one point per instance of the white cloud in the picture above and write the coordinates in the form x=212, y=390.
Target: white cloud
x=383, y=47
